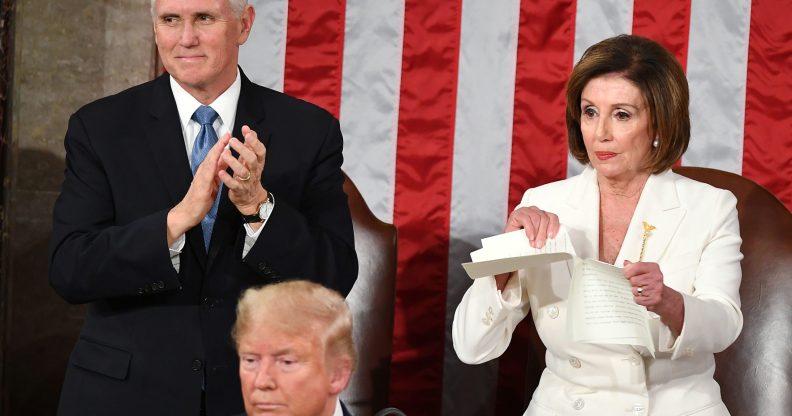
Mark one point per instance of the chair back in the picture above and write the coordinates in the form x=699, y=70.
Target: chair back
x=755, y=373
x=372, y=301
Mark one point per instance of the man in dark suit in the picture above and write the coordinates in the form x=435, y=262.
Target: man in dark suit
x=296, y=353
x=164, y=219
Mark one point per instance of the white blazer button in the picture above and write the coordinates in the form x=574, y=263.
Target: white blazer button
x=578, y=404
x=635, y=361
x=574, y=362
x=689, y=352
x=639, y=410
x=552, y=312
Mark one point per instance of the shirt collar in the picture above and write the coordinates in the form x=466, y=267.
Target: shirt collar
x=225, y=104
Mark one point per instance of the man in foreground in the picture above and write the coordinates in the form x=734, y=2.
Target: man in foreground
x=295, y=346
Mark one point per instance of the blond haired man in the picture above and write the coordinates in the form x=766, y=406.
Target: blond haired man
x=296, y=352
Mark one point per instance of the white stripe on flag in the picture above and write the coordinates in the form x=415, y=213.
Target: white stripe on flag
x=480, y=180
x=263, y=56
x=716, y=68
x=370, y=98
x=596, y=20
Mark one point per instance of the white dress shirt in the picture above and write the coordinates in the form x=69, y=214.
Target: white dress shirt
x=225, y=105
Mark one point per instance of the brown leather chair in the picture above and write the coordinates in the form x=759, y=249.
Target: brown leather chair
x=372, y=301
x=755, y=373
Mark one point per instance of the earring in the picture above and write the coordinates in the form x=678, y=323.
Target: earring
x=656, y=142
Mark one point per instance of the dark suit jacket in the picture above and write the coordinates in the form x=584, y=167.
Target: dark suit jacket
x=154, y=338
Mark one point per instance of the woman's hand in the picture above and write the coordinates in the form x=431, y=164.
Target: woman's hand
x=539, y=226
x=649, y=290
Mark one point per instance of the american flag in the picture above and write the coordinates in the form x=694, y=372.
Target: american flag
x=450, y=109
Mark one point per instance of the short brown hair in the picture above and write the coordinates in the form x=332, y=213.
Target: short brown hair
x=658, y=76
x=298, y=307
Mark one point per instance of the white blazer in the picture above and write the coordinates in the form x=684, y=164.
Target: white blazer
x=697, y=245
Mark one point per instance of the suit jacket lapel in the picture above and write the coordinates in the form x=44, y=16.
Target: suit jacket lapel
x=163, y=134
x=583, y=218
x=658, y=206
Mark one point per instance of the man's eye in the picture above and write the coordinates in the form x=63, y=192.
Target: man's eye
x=249, y=362
x=170, y=20
x=205, y=19
x=288, y=363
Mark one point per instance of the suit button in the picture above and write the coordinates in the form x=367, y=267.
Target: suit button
x=140, y=291
x=639, y=409
x=262, y=266
x=578, y=404
x=197, y=365
x=161, y=284
x=574, y=362
x=552, y=312
x=635, y=361
x=146, y=288
x=204, y=301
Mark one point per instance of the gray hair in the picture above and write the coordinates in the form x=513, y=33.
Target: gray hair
x=238, y=6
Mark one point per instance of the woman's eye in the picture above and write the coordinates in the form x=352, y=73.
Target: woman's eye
x=590, y=112
x=622, y=115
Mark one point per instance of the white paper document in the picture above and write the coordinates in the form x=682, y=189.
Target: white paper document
x=600, y=301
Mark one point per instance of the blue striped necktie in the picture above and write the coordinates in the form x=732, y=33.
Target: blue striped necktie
x=206, y=138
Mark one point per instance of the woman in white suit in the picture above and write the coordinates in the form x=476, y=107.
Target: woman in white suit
x=627, y=117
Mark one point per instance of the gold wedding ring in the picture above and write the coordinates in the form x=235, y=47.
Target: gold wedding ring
x=247, y=178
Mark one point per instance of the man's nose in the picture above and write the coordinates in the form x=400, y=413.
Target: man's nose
x=189, y=36
x=265, y=379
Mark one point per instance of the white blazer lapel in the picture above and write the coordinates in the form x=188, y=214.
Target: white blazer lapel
x=659, y=206
x=582, y=219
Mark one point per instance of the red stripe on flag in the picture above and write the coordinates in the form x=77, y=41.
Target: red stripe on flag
x=422, y=201
x=315, y=52
x=545, y=51
x=666, y=22
x=767, y=149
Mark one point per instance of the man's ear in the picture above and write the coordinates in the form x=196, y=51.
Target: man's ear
x=248, y=16
x=340, y=373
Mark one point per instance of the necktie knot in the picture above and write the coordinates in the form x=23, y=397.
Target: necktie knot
x=205, y=115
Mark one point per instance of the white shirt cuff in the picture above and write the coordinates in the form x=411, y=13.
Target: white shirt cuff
x=175, y=250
